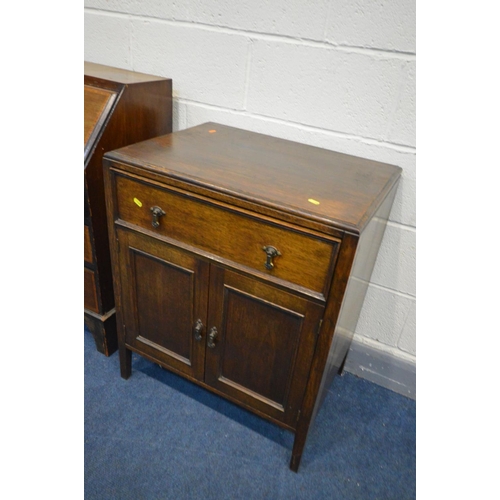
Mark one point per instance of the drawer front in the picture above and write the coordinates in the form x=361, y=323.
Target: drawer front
x=304, y=259
x=88, y=254
x=90, y=291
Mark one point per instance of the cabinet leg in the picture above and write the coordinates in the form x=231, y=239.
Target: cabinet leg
x=342, y=365
x=125, y=362
x=295, y=462
x=298, y=448
x=103, y=329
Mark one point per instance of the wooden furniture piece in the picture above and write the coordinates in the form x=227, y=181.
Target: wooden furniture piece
x=121, y=107
x=241, y=262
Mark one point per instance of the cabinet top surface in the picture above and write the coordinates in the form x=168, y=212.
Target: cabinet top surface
x=117, y=75
x=334, y=188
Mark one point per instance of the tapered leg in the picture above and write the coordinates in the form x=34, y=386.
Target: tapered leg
x=341, y=368
x=125, y=362
x=295, y=462
x=298, y=447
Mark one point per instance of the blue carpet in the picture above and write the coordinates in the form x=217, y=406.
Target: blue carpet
x=157, y=436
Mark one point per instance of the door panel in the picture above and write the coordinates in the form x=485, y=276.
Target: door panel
x=258, y=329
x=264, y=344
x=160, y=284
x=166, y=293
x=90, y=291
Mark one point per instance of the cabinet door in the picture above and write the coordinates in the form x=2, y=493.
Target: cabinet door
x=164, y=295
x=263, y=345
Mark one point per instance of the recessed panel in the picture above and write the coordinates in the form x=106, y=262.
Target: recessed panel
x=88, y=254
x=90, y=291
x=96, y=101
x=260, y=340
x=164, y=301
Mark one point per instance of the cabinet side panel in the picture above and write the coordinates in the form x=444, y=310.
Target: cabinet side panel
x=354, y=267
x=151, y=103
x=364, y=262
x=315, y=383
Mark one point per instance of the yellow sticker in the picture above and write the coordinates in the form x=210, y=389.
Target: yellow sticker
x=313, y=201
x=138, y=202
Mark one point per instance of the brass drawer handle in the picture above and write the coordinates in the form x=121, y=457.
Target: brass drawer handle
x=212, y=335
x=156, y=212
x=198, y=328
x=271, y=252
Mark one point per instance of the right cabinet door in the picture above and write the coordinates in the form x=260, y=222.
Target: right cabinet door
x=261, y=341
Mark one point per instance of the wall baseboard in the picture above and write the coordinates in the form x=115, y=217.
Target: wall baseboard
x=380, y=367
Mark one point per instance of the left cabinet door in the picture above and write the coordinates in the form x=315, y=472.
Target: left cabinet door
x=164, y=302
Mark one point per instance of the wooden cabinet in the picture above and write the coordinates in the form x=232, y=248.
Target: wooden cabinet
x=241, y=261
x=121, y=107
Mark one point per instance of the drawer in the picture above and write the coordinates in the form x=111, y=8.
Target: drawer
x=88, y=254
x=305, y=259
x=90, y=291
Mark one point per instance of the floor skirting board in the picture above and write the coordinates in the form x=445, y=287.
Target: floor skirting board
x=380, y=367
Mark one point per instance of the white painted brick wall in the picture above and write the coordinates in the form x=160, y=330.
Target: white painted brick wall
x=395, y=267
x=337, y=74
x=108, y=36
x=206, y=66
x=387, y=327
x=386, y=24
x=402, y=128
x=320, y=86
x=406, y=340
x=298, y=19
